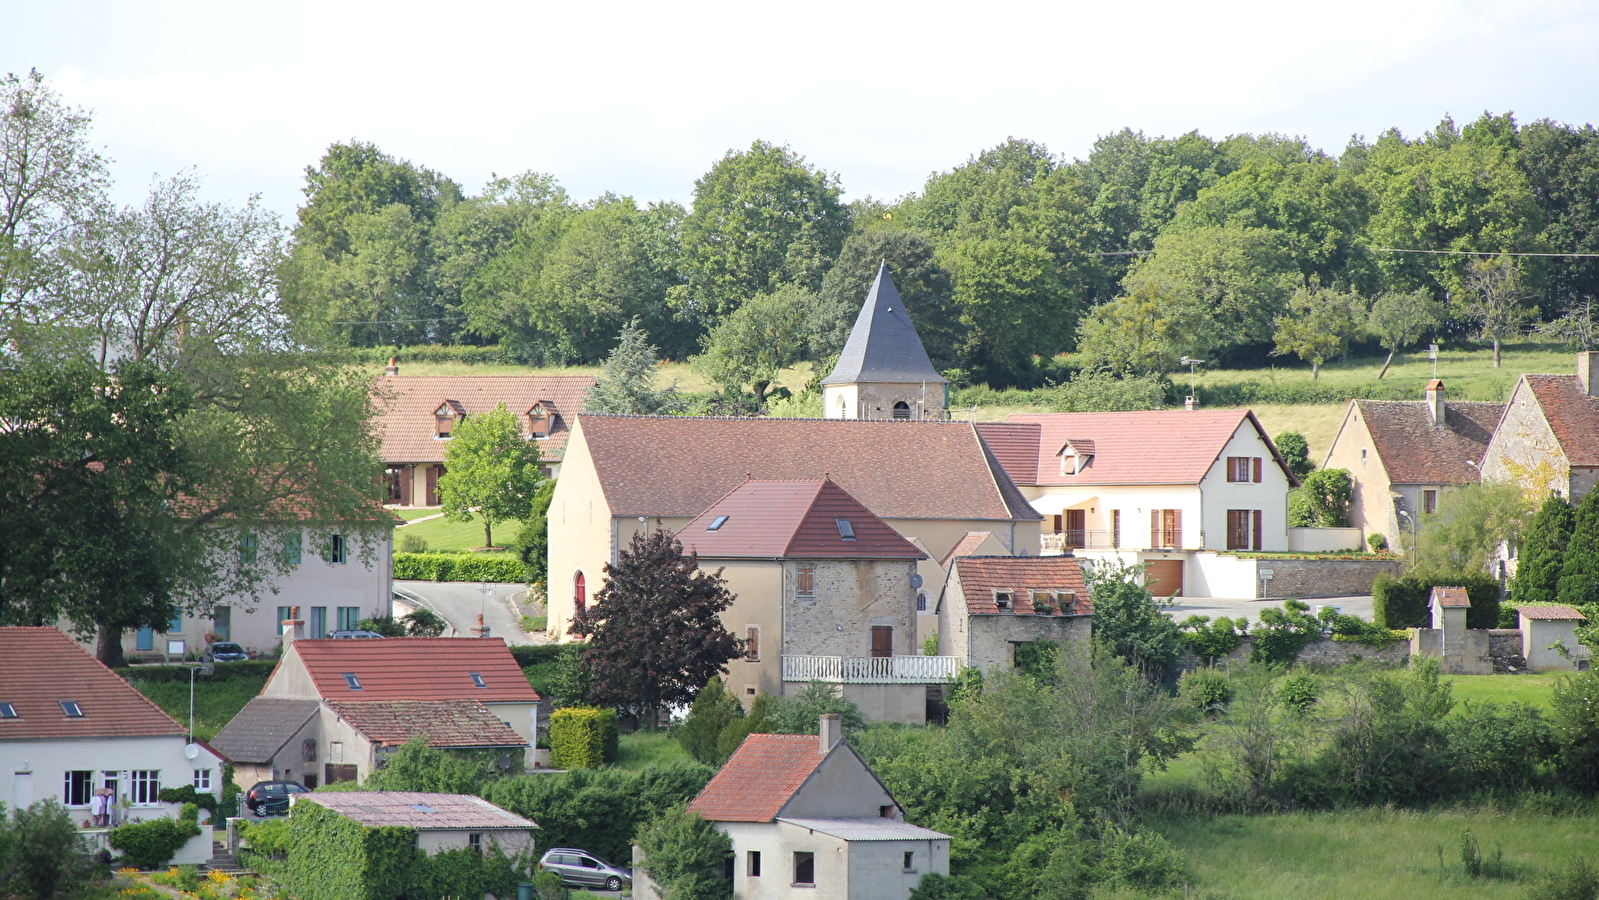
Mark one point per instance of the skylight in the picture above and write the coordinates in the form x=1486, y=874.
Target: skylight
x=421, y=807
x=7, y=711
x=353, y=682
x=845, y=529
x=717, y=523
x=477, y=679
x=72, y=709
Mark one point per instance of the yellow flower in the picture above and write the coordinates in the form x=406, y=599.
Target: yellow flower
x=219, y=876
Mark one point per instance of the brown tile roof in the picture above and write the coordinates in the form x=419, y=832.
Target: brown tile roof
x=1448, y=597
x=762, y=775
x=446, y=723
x=770, y=519
x=406, y=403
x=679, y=466
x=415, y=668
x=968, y=545
x=1415, y=451
x=258, y=731
x=1169, y=446
x=1573, y=416
x=41, y=667
x=1552, y=612
x=982, y=576
x=411, y=809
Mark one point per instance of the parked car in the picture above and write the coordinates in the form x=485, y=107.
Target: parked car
x=580, y=868
x=345, y=635
x=227, y=651
x=271, y=798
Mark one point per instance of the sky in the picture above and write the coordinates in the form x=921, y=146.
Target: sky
x=642, y=98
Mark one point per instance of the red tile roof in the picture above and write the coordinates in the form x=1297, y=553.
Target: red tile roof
x=456, y=724
x=981, y=576
x=411, y=809
x=415, y=668
x=770, y=519
x=679, y=466
x=762, y=775
x=1573, y=416
x=968, y=545
x=406, y=404
x=40, y=667
x=1171, y=446
x=1415, y=451
x=1552, y=612
x=1448, y=597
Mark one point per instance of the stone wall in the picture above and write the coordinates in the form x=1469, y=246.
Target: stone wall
x=1325, y=653
x=1303, y=578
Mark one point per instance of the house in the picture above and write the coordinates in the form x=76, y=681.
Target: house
x=441, y=821
x=69, y=727
x=1167, y=489
x=1546, y=628
x=884, y=372
x=992, y=604
x=807, y=815
x=1402, y=455
x=1548, y=438
x=824, y=592
x=333, y=710
x=417, y=414
x=624, y=475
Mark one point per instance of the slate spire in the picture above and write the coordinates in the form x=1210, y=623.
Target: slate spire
x=883, y=346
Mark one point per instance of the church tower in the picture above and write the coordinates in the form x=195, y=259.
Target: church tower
x=884, y=372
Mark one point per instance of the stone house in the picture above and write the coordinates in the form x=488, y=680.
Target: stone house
x=824, y=592
x=1462, y=650
x=884, y=372
x=1172, y=490
x=992, y=604
x=1548, y=437
x=1402, y=455
x=1544, y=628
x=442, y=821
x=333, y=710
x=807, y=817
x=417, y=414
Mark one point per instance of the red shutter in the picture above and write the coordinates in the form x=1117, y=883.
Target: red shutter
x=1154, y=528
x=1257, y=529
x=1257, y=470
x=1176, y=528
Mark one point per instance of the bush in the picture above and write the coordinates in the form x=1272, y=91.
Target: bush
x=1493, y=746
x=150, y=845
x=387, y=626
x=1377, y=542
x=686, y=855
x=47, y=855
x=713, y=710
x=412, y=543
x=1575, y=705
x=1281, y=633
x=1211, y=641
x=458, y=567
x=1207, y=690
x=582, y=737
x=271, y=838
x=1402, y=602
x=1576, y=880
x=187, y=794
x=1299, y=690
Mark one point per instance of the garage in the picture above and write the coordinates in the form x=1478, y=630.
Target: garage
x=1165, y=577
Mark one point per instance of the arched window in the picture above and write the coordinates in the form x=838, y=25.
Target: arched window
x=580, y=600
x=902, y=410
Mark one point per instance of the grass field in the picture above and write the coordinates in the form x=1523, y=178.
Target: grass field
x=446, y=536
x=646, y=750
x=216, y=700
x=1533, y=690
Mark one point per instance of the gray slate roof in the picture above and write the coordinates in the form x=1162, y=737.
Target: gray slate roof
x=868, y=829
x=883, y=346
x=261, y=729
x=424, y=812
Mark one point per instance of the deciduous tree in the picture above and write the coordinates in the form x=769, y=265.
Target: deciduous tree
x=1129, y=622
x=492, y=471
x=1495, y=296
x=754, y=343
x=1318, y=325
x=1322, y=500
x=1399, y=319
x=1471, y=523
x=1295, y=452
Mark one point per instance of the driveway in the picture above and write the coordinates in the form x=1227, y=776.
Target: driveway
x=1250, y=609
x=460, y=602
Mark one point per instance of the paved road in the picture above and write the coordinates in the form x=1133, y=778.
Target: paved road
x=1250, y=609
x=459, y=602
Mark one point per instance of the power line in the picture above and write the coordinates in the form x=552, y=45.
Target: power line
x=1483, y=253
x=400, y=321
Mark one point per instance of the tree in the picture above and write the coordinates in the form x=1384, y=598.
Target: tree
x=1318, y=325
x=1577, y=327
x=701, y=732
x=419, y=767
x=1579, y=574
x=1543, y=550
x=626, y=386
x=532, y=543
x=1128, y=621
x=1295, y=452
x=686, y=856
x=1322, y=500
x=801, y=713
x=655, y=632
x=1494, y=294
x=1472, y=522
x=1399, y=319
x=754, y=343
x=48, y=855
x=492, y=471
x=1143, y=332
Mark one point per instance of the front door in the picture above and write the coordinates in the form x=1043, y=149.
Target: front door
x=882, y=641
x=433, y=485
x=1076, y=529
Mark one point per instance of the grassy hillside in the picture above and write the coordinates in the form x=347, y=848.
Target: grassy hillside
x=445, y=536
x=217, y=697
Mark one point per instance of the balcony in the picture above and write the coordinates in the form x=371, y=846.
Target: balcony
x=871, y=670
x=1078, y=539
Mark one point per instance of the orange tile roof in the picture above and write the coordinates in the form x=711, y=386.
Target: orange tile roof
x=415, y=668
x=760, y=778
x=981, y=576
x=456, y=724
x=1451, y=597
x=968, y=545
x=1573, y=416
x=406, y=404
x=1415, y=451
x=1552, y=612
x=40, y=667
x=792, y=519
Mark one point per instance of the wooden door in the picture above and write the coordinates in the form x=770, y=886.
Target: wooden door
x=1166, y=577
x=1076, y=528
x=433, y=485
x=338, y=773
x=882, y=641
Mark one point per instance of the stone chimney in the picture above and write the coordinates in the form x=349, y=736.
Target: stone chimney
x=831, y=732
x=291, y=626
x=1585, y=382
x=1435, y=401
x=481, y=630
x=1190, y=403
x=393, y=368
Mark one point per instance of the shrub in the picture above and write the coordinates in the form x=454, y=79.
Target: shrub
x=1576, y=880
x=187, y=794
x=1299, y=690
x=1377, y=541
x=686, y=855
x=1209, y=640
x=1575, y=705
x=331, y=857
x=47, y=855
x=714, y=709
x=270, y=838
x=1208, y=690
x=1281, y=633
x=149, y=845
x=1493, y=746
x=387, y=626
x=412, y=543
x=458, y=567
x=582, y=737
x=1143, y=861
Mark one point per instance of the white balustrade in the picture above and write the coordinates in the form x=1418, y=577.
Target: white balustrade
x=871, y=670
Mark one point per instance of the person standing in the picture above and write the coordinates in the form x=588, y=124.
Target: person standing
x=98, y=805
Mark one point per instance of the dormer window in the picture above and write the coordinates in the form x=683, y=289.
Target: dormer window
x=1002, y=599
x=477, y=679
x=352, y=682
x=72, y=709
x=716, y=523
x=846, y=530
x=540, y=419
x=1076, y=457
x=446, y=417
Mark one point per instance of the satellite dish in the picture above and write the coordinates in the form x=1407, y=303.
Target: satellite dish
x=191, y=751
x=916, y=580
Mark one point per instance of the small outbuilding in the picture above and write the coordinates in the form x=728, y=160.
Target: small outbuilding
x=441, y=821
x=1544, y=628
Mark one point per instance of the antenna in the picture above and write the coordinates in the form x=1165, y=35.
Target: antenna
x=1432, y=354
x=1191, y=364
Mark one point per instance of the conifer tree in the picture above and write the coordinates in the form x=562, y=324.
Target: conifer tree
x=626, y=385
x=1579, y=575
x=714, y=709
x=1543, y=551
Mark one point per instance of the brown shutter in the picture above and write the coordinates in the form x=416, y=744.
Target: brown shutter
x=752, y=644
x=882, y=641
x=1257, y=529
x=407, y=474
x=1257, y=470
x=1154, y=528
x=1176, y=528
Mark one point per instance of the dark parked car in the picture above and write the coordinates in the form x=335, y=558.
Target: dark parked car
x=227, y=651
x=581, y=868
x=355, y=634
x=271, y=798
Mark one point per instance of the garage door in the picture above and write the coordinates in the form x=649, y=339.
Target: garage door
x=1166, y=577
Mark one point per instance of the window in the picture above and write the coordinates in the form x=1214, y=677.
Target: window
x=902, y=410
x=222, y=623
x=1043, y=601
x=349, y=618
x=1165, y=528
x=752, y=866
x=580, y=600
x=805, y=583
x=885, y=812
x=752, y=644
x=335, y=751
x=474, y=841
x=538, y=422
x=1429, y=501
x=444, y=420
x=921, y=601
x=319, y=621
x=1238, y=529
x=175, y=626
x=1002, y=599
x=804, y=867
x=910, y=860
x=291, y=548
x=846, y=531
x=7, y=711
x=477, y=679
x=202, y=780
x=352, y=682
x=72, y=709
x=146, y=785
x=1243, y=468
x=79, y=786
x=284, y=614
x=338, y=550
x=247, y=549
x=717, y=523
x=393, y=490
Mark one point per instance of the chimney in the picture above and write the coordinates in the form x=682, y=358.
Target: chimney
x=393, y=368
x=1435, y=401
x=481, y=630
x=290, y=629
x=1585, y=360
x=1190, y=403
x=830, y=732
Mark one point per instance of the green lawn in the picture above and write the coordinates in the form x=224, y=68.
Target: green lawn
x=646, y=750
x=443, y=535
x=1533, y=690
x=217, y=698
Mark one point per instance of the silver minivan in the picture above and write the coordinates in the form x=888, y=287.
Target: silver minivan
x=581, y=868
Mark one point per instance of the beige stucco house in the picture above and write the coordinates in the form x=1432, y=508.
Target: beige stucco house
x=1545, y=629
x=1548, y=438
x=1403, y=455
x=992, y=604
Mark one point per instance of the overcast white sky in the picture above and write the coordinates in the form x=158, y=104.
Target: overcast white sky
x=641, y=98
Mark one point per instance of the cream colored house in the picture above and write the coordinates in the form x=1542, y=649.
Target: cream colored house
x=884, y=372
x=1548, y=437
x=1546, y=628
x=992, y=604
x=1174, y=490
x=1403, y=455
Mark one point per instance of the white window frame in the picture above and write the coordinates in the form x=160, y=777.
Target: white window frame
x=146, y=788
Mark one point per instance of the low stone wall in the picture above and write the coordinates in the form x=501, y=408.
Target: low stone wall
x=1325, y=653
x=1304, y=578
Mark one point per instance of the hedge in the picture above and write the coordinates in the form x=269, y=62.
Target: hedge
x=582, y=737
x=433, y=353
x=150, y=845
x=535, y=654
x=458, y=567
x=1402, y=602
